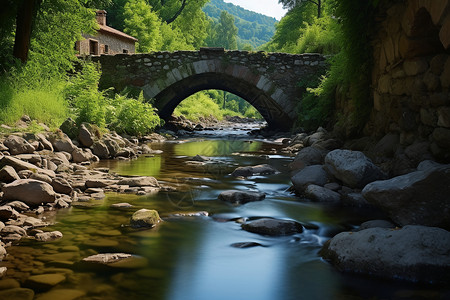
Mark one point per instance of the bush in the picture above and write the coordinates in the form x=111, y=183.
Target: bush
x=132, y=116
x=198, y=105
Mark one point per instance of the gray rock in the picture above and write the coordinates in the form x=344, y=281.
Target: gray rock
x=117, y=260
x=13, y=229
x=139, y=181
x=85, y=137
x=321, y=194
x=3, y=270
x=62, y=142
x=48, y=236
x=353, y=168
x=121, y=205
x=355, y=200
x=375, y=224
x=309, y=175
x=427, y=164
x=34, y=222
x=241, y=197
x=306, y=157
x=62, y=186
x=254, y=170
x=99, y=183
x=273, y=227
x=44, y=141
x=387, y=145
x=29, y=191
x=81, y=155
x=41, y=177
x=419, y=197
x=18, y=205
x=144, y=218
x=99, y=148
x=112, y=145
x=19, y=165
x=18, y=145
x=8, y=174
x=415, y=253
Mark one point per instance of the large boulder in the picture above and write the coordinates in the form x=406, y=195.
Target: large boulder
x=306, y=157
x=273, y=227
x=144, y=218
x=61, y=142
x=241, y=197
x=81, y=155
x=100, y=149
x=309, y=175
x=414, y=253
x=85, y=136
x=420, y=197
x=18, y=145
x=353, y=168
x=31, y=192
x=254, y=170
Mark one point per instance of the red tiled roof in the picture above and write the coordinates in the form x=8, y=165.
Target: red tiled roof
x=111, y=30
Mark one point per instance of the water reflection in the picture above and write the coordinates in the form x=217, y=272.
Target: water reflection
x=192, y=257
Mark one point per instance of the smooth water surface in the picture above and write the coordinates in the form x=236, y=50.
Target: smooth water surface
x=193, y=257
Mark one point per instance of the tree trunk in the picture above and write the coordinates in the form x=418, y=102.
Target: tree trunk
x=24, y=20
x=319, y=8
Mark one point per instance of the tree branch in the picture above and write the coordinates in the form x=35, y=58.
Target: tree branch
x=183, y=4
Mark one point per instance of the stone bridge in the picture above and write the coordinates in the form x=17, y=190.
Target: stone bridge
x=268, y=81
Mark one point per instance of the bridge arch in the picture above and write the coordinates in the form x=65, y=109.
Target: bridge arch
x=268, y=81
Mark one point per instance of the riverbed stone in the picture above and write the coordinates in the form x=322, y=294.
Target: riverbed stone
x=375, y=224
x=353, y=168
x=306, y=157
x=139, y=181
x=8, y=174
x=2, y=253
x=6, y=212
x=17, y=294
x=419, y=198
x=82, y=155
x=145, y=218
x=264, y=169
x=99, y=183
x=273, y=227
x=31, y=192
x=85, y=136
x=48, y=236
x=241, y=197
x=44, y=281
x=118, y=260
x=62, y=186
x=13, y=229
x=34, y=222
x=414, y=253
x=321, y=194
x=19, y=165
x=100, y=149
x=41, y=177
x=314, y=174
x=61, y=294
x=18, y=145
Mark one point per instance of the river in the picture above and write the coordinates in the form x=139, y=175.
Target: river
x=195, y=257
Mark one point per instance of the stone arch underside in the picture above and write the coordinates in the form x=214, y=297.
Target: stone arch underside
x=274, y=114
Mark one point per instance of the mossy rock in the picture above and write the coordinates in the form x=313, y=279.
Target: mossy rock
x=145, y=218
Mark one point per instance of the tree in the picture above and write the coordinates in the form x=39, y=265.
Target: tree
x=293, y=3
x=225, y=32
x=141, y=22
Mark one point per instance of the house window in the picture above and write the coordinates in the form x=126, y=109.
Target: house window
x=125, y=51
x=106, y=49
x=93, y=47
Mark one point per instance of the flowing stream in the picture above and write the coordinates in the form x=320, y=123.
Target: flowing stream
x=194, y=257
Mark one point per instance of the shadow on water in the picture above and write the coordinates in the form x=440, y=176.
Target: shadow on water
x=193, y=257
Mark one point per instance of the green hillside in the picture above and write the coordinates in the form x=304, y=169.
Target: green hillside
x=254, y=28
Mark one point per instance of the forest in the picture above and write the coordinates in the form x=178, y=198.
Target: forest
x=38, y=77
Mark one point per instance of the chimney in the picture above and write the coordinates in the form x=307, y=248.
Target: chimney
x=101, y=17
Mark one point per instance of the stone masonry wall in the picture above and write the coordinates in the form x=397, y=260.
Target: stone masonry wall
x=411, y=78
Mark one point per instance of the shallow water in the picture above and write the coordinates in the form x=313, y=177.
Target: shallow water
x=193, y=257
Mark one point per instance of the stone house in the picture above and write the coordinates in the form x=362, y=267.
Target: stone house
x=107, y=40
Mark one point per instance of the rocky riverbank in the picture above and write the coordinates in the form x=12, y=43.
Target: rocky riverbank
x=47, y=171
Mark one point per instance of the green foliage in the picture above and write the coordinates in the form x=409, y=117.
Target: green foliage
x=132, y=116
x=43, y=103
x=322, y=36
x=223, y=33
x=144, y=24
x=254, y=28
x=198, y=105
